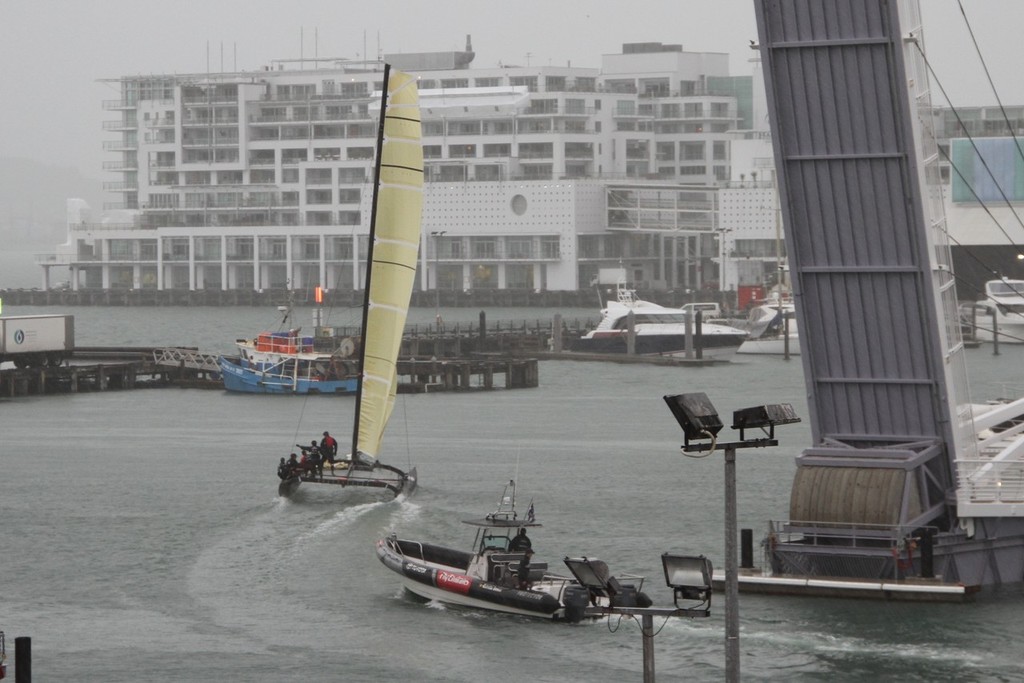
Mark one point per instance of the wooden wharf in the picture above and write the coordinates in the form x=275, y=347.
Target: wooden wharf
x=432, y=358
x=139, y=368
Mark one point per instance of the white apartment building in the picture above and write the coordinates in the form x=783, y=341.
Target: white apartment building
x=537, y=176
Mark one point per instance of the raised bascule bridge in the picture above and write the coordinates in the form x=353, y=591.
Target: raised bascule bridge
x=907, y=489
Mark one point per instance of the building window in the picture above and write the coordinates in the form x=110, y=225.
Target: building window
x=262, y=176
x=339, y=248
x=497, y=150
x=485, y=276
x=348, y=176
x=293, y=156
x=240, y=249
x=691, y=151
x=349, y=195
x=550, y=247
x=327, y=154
x=348, y=218
x=529, y=81
x=536, y=150
x=361, y=153
x=483, y=247
x=625, y=108
x=519, y=247
x=318, y=218
x=461, y=151
x=575, y=106
x=318, y=176
x=518, y=276
x=318, y=196
x=273, y=248
x=554, y=83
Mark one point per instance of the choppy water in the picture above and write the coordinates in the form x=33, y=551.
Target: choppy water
x=142, y=539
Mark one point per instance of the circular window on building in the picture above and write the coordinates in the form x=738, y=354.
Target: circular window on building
x=519, y=205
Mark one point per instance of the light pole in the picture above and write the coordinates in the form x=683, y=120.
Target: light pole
x=700, y=422
x=437, y=235
x=723, y=253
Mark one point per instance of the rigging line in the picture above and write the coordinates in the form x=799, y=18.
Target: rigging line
x=981, y=158
x=988, y=76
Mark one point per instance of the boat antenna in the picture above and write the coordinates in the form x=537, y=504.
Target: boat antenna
x=369, y=260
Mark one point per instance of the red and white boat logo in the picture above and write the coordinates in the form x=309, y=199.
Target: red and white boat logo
x=456, y=583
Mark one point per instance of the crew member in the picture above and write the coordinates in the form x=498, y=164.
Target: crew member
x=328, y=447
x=521, y=542
x=524, y=570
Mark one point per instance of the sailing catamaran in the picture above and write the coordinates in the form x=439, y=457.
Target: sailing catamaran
x=391, y=268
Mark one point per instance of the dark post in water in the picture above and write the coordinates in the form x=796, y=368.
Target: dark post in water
x=23, y=660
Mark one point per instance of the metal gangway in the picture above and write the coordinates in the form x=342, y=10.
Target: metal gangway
x=186, y=358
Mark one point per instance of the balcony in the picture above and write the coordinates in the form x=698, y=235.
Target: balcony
x=120, y=125
x=121, y=187
x=123, y=165
x=110, y=105
x=120, y=145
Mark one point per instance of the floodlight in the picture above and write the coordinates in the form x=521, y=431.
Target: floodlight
x=764, y=416
x=592, y=575
x=695, y=414
x=689, y=577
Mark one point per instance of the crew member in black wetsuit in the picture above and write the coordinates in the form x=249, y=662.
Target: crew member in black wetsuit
x=284, y=470
x=524, y=570
x=521, y=542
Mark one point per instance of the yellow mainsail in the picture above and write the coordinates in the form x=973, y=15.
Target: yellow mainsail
x=394, y=253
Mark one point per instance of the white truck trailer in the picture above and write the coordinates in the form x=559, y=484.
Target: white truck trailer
x=36, y=340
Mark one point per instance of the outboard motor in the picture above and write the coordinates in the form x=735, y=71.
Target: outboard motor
x=625, y=596
x=575, y=599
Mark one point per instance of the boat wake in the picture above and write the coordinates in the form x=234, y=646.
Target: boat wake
x=822, y=644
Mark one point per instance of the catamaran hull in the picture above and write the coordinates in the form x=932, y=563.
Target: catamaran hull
x=451, y=586
x=380, y=476
x=245, y=380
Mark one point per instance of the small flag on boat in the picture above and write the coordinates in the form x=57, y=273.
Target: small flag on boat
x=529, y=514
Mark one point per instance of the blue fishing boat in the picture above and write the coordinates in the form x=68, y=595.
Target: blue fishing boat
x=288, y=363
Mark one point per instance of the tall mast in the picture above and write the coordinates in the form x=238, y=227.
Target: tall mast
x=369, y=261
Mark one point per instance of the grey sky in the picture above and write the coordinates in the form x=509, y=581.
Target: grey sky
x=54, y=51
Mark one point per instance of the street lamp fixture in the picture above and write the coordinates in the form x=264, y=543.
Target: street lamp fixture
x=764, y=417
x=591, y=574
x=688, y=577
x=695, y=414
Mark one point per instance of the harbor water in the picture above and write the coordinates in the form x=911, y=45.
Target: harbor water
x=142, y=538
